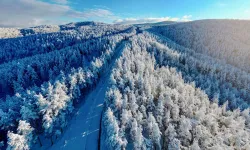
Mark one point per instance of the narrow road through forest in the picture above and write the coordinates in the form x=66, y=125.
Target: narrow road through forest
x=83, y=130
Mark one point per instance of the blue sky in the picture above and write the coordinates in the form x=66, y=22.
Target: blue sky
x=23, y=13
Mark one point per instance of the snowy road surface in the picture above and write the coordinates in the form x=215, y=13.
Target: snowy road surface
x=83, y=130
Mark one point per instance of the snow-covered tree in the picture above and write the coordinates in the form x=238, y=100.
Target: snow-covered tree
x=23, y=139
x=136, y=135
x=113, y=138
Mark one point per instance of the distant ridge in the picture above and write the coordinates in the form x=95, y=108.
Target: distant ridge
x=20, y=32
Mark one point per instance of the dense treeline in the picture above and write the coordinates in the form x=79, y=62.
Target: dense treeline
x=44, y=109
x=227, y=40
x=150, y=106
x=20, y=74
x=217, y=79
x=11, y=49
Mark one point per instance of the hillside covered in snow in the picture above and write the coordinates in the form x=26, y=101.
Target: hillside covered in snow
x=80, y=27
x=91, y=85
x=227, y=40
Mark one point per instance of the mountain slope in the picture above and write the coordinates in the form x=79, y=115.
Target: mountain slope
x=226, y=40
x=150, y=104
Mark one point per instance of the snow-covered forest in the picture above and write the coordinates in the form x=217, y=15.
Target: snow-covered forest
x=227, y=40
x=175, y=86
x=152, y=103
x=44, y=76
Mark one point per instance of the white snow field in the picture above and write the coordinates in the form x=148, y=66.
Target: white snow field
x=90, y=85
x=9, y=33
